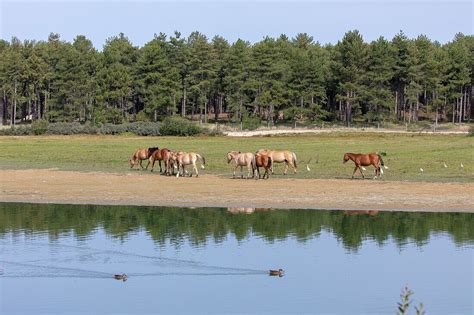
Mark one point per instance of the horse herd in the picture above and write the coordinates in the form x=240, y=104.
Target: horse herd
x=175, y=162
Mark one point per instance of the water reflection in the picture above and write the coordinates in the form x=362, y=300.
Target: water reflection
x=175, y=225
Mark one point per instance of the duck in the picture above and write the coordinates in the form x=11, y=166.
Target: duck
x=280, y=272
x=122, y=277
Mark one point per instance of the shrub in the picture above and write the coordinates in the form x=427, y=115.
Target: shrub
x=63, y=128
x=143, y=128
x=178, y=126
x=16, y=131
x=39, y=127
x=251, y=123
x=471, y=131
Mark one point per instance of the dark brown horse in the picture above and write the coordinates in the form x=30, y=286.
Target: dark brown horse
x=262, y=160
x=160, y=155
x=140, y=155
x=361, y=160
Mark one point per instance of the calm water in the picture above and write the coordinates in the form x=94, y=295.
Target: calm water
x=61, y=259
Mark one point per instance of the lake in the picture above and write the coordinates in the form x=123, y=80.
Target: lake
x=62, y=259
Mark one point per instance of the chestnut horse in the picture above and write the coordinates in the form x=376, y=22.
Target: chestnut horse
x=361, y=160
x=241, y=159
x=160, y=155
x=140, y=155
x=262, y=160
x=288, y=157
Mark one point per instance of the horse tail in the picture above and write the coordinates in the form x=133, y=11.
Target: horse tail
x=270, y=162
x=381, y=160
x=254, y=162
x=294, y=159
x=202, y=159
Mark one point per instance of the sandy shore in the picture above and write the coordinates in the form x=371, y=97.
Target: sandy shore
x=139, y=188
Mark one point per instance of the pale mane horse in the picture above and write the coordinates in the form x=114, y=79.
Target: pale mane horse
x=287, y=157
x=184, y=158
x=241, y=159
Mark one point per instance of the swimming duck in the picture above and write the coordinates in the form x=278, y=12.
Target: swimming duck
x=280, y=272
x=122, y=277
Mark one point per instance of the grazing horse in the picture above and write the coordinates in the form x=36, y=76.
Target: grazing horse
x=160, y=155
x=183, y=158
x=361, y=160
x=140, y=155
x=262, y=160
x=241, y=159
x=288, y=157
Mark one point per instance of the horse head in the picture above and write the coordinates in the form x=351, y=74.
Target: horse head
x=346, y=158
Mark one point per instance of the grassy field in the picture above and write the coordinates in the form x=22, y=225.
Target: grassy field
x=406, y=153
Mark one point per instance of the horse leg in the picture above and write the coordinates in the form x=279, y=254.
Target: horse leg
x=196, y=169
x=152, y=164
x=360, y=170
x=286, y=167
x=235, y=167
x=355, y=170
x=241, y=172
x=159, y=161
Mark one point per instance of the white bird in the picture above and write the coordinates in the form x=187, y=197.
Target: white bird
x=307, y=168
x=363, y=168
x=462, y=166
x=421, y=170
x=444, y=164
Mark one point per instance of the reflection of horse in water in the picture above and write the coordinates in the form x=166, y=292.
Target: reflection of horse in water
x=287, y=157
x=236, y=210
x=140, y=155
x=357, y=212
x=361, y=160
x=241, y=159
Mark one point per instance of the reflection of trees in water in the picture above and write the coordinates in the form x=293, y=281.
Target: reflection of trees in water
x=175, y=225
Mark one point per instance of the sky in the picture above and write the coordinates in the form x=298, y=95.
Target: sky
x=327, y=21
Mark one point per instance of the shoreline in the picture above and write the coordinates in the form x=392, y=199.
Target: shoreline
x=132, y=189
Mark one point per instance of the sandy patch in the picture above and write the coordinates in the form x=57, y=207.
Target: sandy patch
x=140, y=188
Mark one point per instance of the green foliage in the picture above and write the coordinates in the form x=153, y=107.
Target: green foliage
x=251, y=123
x=401, y=80
x=405, y=301
x=40, y=127
x=178, y=126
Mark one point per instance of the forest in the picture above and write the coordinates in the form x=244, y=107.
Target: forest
x=401, y=80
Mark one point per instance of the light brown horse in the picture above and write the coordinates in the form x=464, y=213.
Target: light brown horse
x=287, y=157
x=262, y=160
x=241, y=159
x=361, y=160
x=140, y=155
x=184, y=158
x=160, y=155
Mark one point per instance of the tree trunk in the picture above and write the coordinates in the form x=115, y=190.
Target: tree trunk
x=183, y=105
x=14, y=106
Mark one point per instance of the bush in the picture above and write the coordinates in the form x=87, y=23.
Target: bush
x=63, y=128
x=39, y=127
x=16, y=131
x=178, y=126
x=251, y=123
x=471, y=131
x=144, y=128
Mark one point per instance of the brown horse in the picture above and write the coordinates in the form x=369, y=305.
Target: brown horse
x=160, y=155
x=241, y=159
x=140, y=155
x=361, y=160
x=262, y=160
x=287, y=157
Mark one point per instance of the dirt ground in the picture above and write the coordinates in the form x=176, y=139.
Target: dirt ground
x=138, y=188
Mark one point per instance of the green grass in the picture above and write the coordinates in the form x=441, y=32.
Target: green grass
x=406, y=153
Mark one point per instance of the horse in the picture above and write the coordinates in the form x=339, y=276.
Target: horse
x=279, y=157
x=361, y=160
x=241, y=159
x=160, y=155
x=262, y=160
x=183, y=158
x=140, y=155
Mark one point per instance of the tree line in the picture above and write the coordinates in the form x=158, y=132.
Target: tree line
x=277, y=79
x=178, y=226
